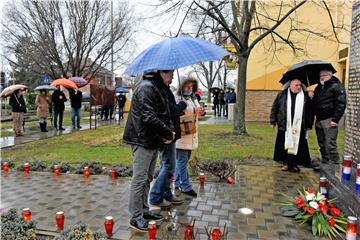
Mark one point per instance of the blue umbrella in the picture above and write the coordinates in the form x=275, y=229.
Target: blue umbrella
x=121, y=90
x=175, y=53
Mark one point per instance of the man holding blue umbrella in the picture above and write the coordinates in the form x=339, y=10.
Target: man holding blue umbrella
x=148, y=127
x=149, y=124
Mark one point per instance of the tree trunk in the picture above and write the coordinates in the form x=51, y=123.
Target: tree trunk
x=209, y=96
x=239, y=115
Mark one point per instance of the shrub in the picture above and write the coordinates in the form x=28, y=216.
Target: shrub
x=14, y=227
x=94, y=167
x=35, y=165
x=30, y=100
x=123, y=171
x=79, y=232
x=64, y=167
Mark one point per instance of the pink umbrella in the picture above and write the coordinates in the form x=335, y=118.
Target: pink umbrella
x=79, y=81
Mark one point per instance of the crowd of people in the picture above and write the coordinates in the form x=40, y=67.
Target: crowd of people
x=293, y=113
x=222, y=99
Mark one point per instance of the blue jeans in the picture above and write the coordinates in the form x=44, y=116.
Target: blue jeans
x=75, y=112
x=121, y=112
x=181, y=170
x=161, y=188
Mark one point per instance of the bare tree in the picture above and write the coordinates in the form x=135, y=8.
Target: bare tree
x=248, y=23
x=63, y=35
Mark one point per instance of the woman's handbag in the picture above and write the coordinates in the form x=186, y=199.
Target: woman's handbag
x=188, y=128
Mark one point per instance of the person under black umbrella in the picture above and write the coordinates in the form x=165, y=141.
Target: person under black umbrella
x=291, y=113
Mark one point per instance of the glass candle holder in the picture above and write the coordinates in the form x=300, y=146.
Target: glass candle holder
x=60, y=220
x=56, y=170
x=358, y=177
x=86, y=171
x=6, y=167
x=202, y=178
x=323, y=186
x=113, y=174
x=109, y=225
x=152, y=230
x=26, y=167
x=347, y=162
x=26, y=213
x=351, y=228
x=189, y=232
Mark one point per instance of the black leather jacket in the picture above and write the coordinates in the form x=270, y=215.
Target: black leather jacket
x=329, y=100
x=149, y=120
x=279, y=112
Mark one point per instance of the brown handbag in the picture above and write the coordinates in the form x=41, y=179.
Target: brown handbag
x=188, y=128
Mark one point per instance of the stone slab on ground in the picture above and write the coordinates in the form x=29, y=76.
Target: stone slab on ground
x=90, y=200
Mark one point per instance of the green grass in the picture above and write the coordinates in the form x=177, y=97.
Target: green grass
x=104, y=144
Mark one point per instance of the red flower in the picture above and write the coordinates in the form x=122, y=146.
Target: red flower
x=323, y=208
x=311, y=211
x=310, y=191
x=331, y=222
x=330, y=204
x=336, y=212
x=299, y=200
x=301, y=205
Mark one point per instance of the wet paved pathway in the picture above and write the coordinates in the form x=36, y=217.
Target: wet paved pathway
x=89, y=201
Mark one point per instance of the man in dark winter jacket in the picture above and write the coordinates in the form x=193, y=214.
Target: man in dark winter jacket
x=161, y=194
x=58, y=99
x=329, y=103
x=76, y=98
x=148, y=128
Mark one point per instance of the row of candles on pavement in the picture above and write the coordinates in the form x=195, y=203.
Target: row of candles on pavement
x=216, y=233
x=351, y=228
x=109, y=222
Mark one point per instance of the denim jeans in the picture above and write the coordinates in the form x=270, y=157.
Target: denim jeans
x=58, y=115
x=161, y=188
x=121, y=112
x=75, y=112
x=144, y=163
x=181, y=170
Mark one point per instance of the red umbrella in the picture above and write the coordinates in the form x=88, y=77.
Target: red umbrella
x=65, y=83
x=79, y=81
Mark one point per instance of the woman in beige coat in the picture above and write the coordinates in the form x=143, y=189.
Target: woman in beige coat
x=42, y=102
x=189, y=134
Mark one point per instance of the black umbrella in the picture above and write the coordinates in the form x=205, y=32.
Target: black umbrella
x=214, y=89
x=307, y=71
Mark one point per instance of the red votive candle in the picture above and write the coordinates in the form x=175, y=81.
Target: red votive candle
x=202, y=178
x=86, y=171
x=323, y=186
x=56, y=170
x=60, y=219
x=152, y=230
x=109, y=225
x=189, y=231
x=231, y=180
x=216, y=234
x=6, y=167
x=351, y=228
x=26, y=213
x=26, y=167
x=113, y=174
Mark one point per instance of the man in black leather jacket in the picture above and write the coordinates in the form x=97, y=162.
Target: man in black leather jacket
x=148, y=128
x=329, y=103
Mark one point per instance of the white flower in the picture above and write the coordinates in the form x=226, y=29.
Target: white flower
x=320, y=197
x=314, y=205
x=310, y=197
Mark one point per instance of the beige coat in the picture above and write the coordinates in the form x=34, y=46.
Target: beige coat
x=190, y=141
x=42, y=102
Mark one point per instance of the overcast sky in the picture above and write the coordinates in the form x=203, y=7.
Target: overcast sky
x=150, y=29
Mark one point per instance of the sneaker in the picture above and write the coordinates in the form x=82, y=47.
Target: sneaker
x=163, y=205
x=191, y=193
x=139, y=225
x=176, y=200
x=153, y=216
